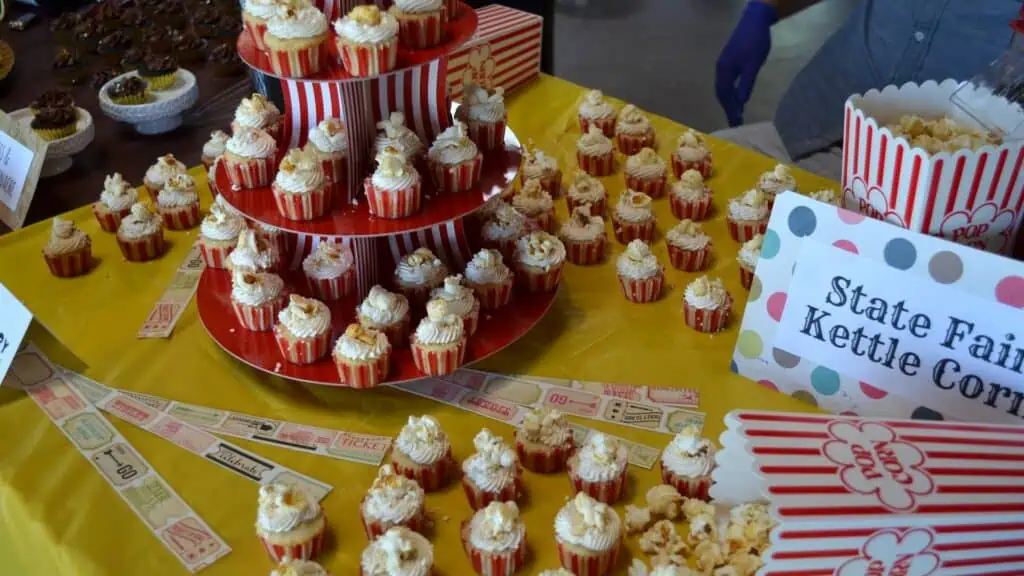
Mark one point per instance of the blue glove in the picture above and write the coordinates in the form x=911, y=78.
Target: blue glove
x=742, y=58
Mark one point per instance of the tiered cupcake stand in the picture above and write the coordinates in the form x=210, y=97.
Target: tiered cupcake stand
x=446, y=223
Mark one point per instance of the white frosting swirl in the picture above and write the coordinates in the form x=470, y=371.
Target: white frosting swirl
x=582, y=227
x=165, y=167
x=418, y=6
x=750, y=252
x=117, y=194
x=256, y=111
x=305, y=317
x=329, y=136
x=422, y=440
x=179, y=190
x=540, y=250
x=690, y=187
x=537, y=164
x=586, y=188
x=250, y=253
x=255, y=288
x=497, y=528
x=688, y=454
x=506, y=223
x=394, y=171
x=215, y=146
x=300, y=173
x=752, y=205
x=690, y=147
x=460, y=298
x=638, y=262
x=494, y=466
x=601, y=459
x=483, y=106
x=65, y=237
x=328, y=261
x=140, y=223
x=594, y=143
x=587, y=523
x=487, y=267
x=688, y=235
x=777, y=180
x=440, y=326
x=633, y=121
x=221, y=225
x=299, y=568
x=646, y=164
x=532, y=200
x=706, y=294
x=361, y=344
x=420, y=268
x=546, y=426
x=393, y=497
x=398, y=552
x=382, y=308
x=453, y=146
x=395, y=134
x=634, y=206
x=367, y=25
x=251, y=143
x=298, y=22
x=284, y=508
x=595, y=107
x=262, y=8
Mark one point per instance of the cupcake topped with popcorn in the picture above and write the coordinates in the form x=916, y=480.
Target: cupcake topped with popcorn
x=634, y=217
x=595, y=153
x=633, y=130
x=691, y=187
x=534, y=202
x=422, y=452
x=393, y=133
x=776, y=180
x=485, y=115
x=214, y=147
x=460, y=300
x=392, y=500
x=645, y=172
x=496, y=536
x=599, y=468
x=689, y=248
x=748, y=214
x=439, y=344
x=687, y=462
x=418, y=273
x=328, y=137
x=289, y=522
x=490, y=278
x=503, y=227
x=595, y=110
x=585, y=189
x=398, y=552
x=455, y=160
x=540, y=166
x=588, y=533
x=492, y=473
x=539, y=259
x=706, y=304
x=257, y=111
x=691, y=153
x=544, y=440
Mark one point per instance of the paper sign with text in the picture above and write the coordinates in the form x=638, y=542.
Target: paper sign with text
x=14, y=322
x=21, y=160
x=861, y=317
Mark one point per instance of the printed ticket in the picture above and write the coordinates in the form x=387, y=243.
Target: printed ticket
x=343, y=445
x=682, y=397
x=510, y=413
x=197, y=441
x=160, y=508
x=175, y=299
x=535, y=393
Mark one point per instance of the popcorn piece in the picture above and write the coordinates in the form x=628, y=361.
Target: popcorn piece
x=637, y=519
x=662, y=540
x=702, y=529
x=709, y=556
x=693, y=507
x=664, y=502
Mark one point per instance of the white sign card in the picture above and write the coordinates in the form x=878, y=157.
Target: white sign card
x=22, y=154
x=859, y=316
x=14, y=323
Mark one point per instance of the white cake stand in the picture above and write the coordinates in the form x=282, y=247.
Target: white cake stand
x=59, y=152
x=163, y=114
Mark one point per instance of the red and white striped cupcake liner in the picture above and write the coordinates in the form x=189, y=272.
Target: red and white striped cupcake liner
x=397, y=333
x=595, y=564
x=545, y=220
x=703, y=166
x=479, y=499
x=487, y=563
x=471, y=321
x=746, y=277
x=608, y=491
x=689, y=260
x=744, y=230
x=552, y=183
x=702, y=320
x=331, y=289
x=335, y=170
x=695, y=210
x=596, y=208
x=392, y=204
x=71, y=264
x=299, y=63
x=537, y=282
x=256, y=30
x=494, y=296
x=258, y=318
x=552, y=459
x=687, y=487
x=423, y=31
x=363, y=374
x=488, y=135
x=596, y=165
x=585, y=253
x=438, y=362
x=181, y=217
x=307, y=550
x=110, y=220
x=626, y=232
x=507, y=246
x=653, y=187
x=280, y=247
x=302, y=206
x=630, y=144
x=142, y=249
x=251, y=173
x=458, y=178
x=642, y=291
x=215, y=256
x=302, y=350
x=431, y=478
x=376, y=528
x=365, y=60
x=607, y=125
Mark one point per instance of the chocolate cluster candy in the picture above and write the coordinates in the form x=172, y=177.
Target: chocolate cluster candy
x=49, y=118
x=127, y=87
x=54, y=99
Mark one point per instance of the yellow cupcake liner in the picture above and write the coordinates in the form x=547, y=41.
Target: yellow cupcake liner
x=133, y=100
x=50, y=134
x=161, y=82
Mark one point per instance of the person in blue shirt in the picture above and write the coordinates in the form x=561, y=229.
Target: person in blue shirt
x=883, y=42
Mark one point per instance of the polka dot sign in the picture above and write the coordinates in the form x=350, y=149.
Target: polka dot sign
x=796, y=219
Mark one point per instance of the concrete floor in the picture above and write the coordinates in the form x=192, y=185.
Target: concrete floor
x=660, y=54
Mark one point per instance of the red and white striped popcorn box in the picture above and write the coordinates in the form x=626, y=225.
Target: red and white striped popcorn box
x=302, y=350
x=494, y=563
x=854, y=496
x=431, y=478
x=258, y=318
x=655, y=188
x=365, y=60
x=70, y=265
x=299, y=63
x=704, y=166
x=642, y=291
x=689, y=260
x=302, y=206
x=590, y=564
x=974, y=197
x=109, y=220
x=596, y=165
x=458, y=178
x=331, y=289
x=585, y=253
x=504, y=51
x=142, y=249
x=417, y=32
x=691, y=210
x=479, y=499
x=181, y=217
x=488, y=135
x=707, y=320
x=545, y=461
x=363, y=375
x=744, y=230
x=393, y=204
x=438, y=361
x=306, y=550
x=215, y=256
x=608, y=491
x=253, y=173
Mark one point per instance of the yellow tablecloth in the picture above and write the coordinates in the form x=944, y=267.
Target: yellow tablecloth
x=57, y=516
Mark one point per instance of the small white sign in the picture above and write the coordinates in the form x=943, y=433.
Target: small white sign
x=14, y=322
x=15, y=163
x=897, y=331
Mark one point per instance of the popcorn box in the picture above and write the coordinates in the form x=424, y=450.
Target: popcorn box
x=855, y=496
x=504, y=51
x=973, y=197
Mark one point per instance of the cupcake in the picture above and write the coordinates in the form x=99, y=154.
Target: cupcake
x=495, y=540
x=690, y=198
x=255, y=14
x=633, y=218
x=69, y=251
x=596, y=111
x=422, y=452
x=539, y=259
x=584, y=237
x=421, y=23
x=418, y=273
x=585, y=189
x=54, y=123
x=141, y=234
x=598, y=468
x=488, y=276
x=544, y=168
x=178, y=203
x=392, y=500
x=367, y=41
x=249, y=158
x=588, y=535
x=52, y=99
x=485, y=116
x=214, y=147
x=395, y=188
x=387, y=312
x=691, y=153
x=157, y=174
x=544, y=441
x=439, y=343
x=303, y=330
x=686, y=463
x=362, y=357
x=253, y=254
x=290, y=523
x=393, y=133
x=503, y=228
x=534, y=202
x=399, y=552
x=218, y=234
x=258, y=112
x=296, y=41
x=129, y=91
x=706, y=305
x=300, y=187
x=633, y=131
x=279, y=244
x=460, y=301
x=299, y=568
x=749, y=253
x=689, y=248
x=776, y=181
x=640, y=275
x=115, y=202
x=159, y=71
x=595, y=153
x=454, y=160
x=826, y=195
x=748, y=215
x=646, y=172
x=492, y=474
x=328, y=143
x=257, y=298
x=330, y=271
